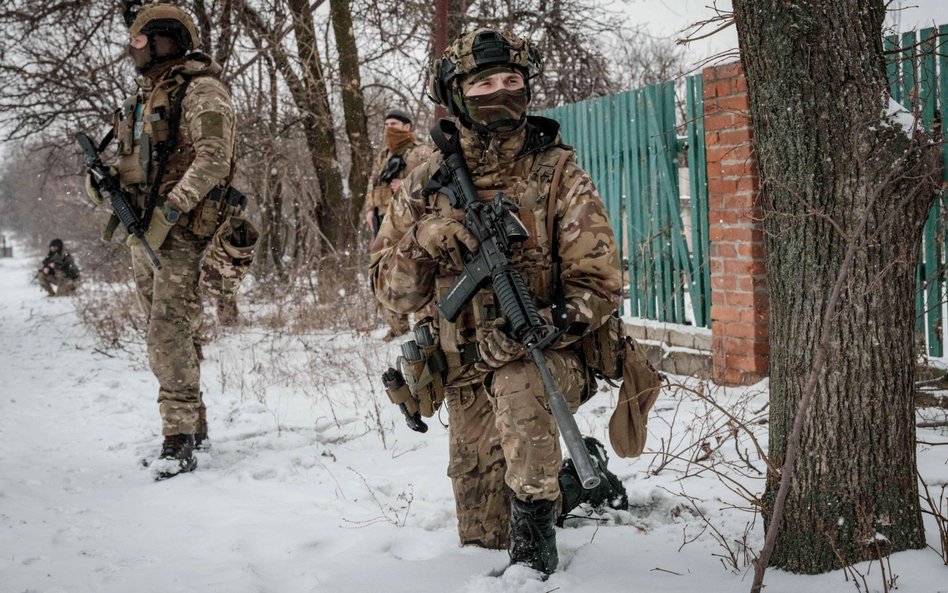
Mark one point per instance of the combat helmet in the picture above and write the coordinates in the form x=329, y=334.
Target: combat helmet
x=162, y=19
x=476, y=51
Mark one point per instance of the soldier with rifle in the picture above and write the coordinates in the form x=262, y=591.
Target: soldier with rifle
x=59, y=270
x=508, y=235
x=169, y=186
x=401, y=153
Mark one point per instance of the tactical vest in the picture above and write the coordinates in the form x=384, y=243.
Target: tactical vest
x=534, y=258
x=141, y=124
x=380, y=195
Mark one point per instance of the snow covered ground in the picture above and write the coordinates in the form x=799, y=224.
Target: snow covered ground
x=314, y=483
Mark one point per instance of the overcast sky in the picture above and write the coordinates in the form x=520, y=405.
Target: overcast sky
x=668, y=18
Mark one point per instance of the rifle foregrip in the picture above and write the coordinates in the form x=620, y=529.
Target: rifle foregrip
x=515, y=302
x=125, y=214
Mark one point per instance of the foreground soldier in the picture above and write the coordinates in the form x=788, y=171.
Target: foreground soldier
x=59, y=270
x=400, y=155
x=175, y=144
x=505, y=457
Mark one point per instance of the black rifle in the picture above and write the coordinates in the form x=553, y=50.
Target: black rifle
x=109, y=189
x=393, y=168
x=497, y=229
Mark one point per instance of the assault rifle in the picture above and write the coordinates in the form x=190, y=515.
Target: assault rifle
x=110, y=190
x=497, y=229
x=393, y=168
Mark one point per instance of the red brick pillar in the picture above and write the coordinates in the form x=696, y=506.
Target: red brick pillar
x=739, y=308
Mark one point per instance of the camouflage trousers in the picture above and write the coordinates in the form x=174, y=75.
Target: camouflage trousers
x=503, y=441
x=174, y=311
x=64, y=285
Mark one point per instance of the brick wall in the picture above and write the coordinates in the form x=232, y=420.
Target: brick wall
x=739, y=307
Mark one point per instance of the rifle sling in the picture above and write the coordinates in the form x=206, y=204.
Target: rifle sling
x=165, y=149
x=105, y=141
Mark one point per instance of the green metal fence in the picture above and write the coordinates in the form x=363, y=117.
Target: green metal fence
x=629, y=145
x=918, y=79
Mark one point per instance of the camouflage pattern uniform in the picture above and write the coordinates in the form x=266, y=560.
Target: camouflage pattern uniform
x=379, y=196
x=202, y=159
x=503, y=438
x=63, y=274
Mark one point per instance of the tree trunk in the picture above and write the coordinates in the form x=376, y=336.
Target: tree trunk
x=353, y=106
x=817, y=85
x=311, y=99
x=318, y=124
x=274, y=210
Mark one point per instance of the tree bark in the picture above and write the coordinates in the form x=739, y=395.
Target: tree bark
x=817, y=86
x=353, y=105
x=311, y=99
x=318, y=124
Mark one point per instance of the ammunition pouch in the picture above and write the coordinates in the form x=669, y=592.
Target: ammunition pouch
x=227, y=257
x=221, y=203
x=401, y=395
x=603, y=349
x=423, y=365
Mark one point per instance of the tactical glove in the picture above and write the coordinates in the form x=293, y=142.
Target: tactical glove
x=162, y=219
x=92, y=192
x=442, y=239
x=497, y=348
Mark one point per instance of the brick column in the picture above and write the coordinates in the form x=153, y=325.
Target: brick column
x=739, y=307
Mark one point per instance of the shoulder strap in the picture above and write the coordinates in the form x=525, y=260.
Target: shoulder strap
x=551, y=199
x=165, y=148
x=559, y=299
x=105, y=141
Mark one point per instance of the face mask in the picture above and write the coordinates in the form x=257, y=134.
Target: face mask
x=141, y=58
x=165, y=50
x=394, y=139
x=500, y=111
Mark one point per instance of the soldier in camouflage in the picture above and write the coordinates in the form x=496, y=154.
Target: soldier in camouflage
x=179, y=126
x=505, y=458
x=400, y=155
x=59, y=270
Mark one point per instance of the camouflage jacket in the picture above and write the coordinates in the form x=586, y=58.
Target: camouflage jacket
x=62, y=262
x=203, y=155
x=587, y=277
x=379, y=194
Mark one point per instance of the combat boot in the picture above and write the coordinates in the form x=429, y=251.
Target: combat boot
x=202, y=442
x=609, y=493
x=177, y=457
x=532, y=537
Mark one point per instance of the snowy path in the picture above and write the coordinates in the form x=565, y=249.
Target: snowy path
x=300, y=493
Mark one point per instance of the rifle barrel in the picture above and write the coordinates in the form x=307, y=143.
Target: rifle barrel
x=566, y=423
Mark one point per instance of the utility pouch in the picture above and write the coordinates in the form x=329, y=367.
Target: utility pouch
x=227, y=257
x=604, y=348
x=422, y=363
x=123, y=126
x=220, y=204
x=207, y=215
x=641, y=384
